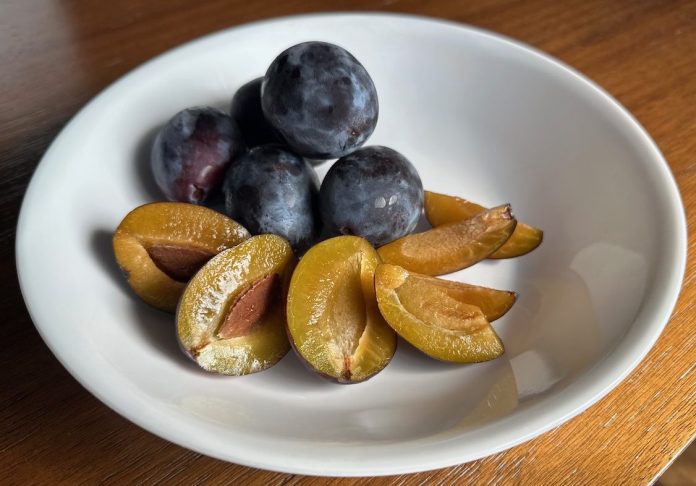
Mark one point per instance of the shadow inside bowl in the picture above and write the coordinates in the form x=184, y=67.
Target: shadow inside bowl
x=158, y=329
x=101, y=244
x=143, y=172
x=553, y=332
x=292, y=374
x=410, y=360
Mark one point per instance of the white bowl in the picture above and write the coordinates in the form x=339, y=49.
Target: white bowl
x=481, y=117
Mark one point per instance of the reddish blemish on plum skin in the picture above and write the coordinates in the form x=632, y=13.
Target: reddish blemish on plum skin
x=192, y=152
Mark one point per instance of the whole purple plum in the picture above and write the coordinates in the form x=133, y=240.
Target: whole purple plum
x=272, y=190
x=320, y=99
x=192, y=152
x=375, y=192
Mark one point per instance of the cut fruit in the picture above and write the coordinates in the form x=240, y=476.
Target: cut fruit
x=160, y=246
x=453, y=246
x=249, y=308
x=177, y=262
x=425, y=314
x=231, y=317
x=524, y=239
x=493, y=303
x=333, y=320
x=441, y=209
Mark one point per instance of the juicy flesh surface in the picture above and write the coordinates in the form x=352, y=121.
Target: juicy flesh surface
x=332, y=313
x=454, y=246
x=441, y=209
x=492, y=302
x=208, y=301
x=183, y=224
x=434, y=307
x=435, y=323
x=346, y=317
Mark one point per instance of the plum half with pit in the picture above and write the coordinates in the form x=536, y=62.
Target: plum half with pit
x=160, y=246
x=231, y=316
x=272, y=190
x=192, y=152
x=246, y=111
x=375, y=193
x=320, y=99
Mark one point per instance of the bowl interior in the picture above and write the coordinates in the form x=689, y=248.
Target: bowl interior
x=481, y=118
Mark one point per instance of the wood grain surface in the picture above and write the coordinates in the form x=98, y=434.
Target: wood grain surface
x=56, y=55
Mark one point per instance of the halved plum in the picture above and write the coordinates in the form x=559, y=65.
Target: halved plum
x=159, y=246
x=231, y=317
x=333, y=320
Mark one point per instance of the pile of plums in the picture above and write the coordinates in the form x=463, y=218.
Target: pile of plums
x=316, y=102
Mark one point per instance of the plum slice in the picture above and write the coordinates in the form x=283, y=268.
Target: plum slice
x=434, y=320
x=442, y=209
x=454, y=246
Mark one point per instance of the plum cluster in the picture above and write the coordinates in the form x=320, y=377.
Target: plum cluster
x=242, y=298
x=316, y=102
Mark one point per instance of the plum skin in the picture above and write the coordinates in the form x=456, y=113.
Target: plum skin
x=246, y=111
x=191, y=153
x=272, y=190
x=375, y=192
x=320, y=99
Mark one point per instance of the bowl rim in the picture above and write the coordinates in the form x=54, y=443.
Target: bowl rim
x=588, y=388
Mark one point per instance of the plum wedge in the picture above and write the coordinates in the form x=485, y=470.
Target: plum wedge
x=159, y=246
x=493, y=303
x=431, y=318
x=441, y=209
x=452, y=246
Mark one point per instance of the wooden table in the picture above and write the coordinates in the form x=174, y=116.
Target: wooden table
x=56, y=55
